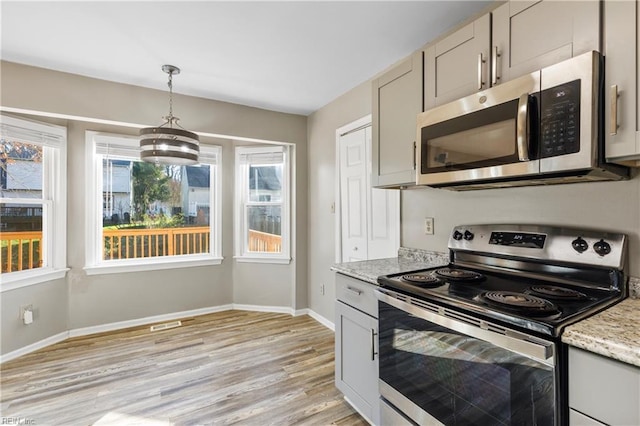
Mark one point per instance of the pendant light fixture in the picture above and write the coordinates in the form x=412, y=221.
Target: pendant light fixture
x=167, y=144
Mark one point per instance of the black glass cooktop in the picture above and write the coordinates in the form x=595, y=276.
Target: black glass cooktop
x=533, y=304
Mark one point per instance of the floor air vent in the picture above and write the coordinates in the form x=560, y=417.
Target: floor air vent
x=166, y=325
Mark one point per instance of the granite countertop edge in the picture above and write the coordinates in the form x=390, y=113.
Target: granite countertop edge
x=408, y=260
x=611, y=333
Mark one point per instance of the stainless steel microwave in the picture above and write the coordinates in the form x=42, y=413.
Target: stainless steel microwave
x=541, y=128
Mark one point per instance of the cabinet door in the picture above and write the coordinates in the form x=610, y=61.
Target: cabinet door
x=457, y=65
x=357, y=360
x=604, y=389
x=397, y=100
x=621, y=79
x=529, y=35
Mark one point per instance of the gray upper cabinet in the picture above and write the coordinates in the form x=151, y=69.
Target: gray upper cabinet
x=622, y=114
x=529, y=35
x=397, y=100
x=458, y=65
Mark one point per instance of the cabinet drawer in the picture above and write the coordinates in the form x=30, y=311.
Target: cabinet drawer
x=604, y=389
x=357, y=293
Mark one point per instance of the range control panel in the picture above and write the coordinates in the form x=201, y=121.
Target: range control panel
x=544, y=243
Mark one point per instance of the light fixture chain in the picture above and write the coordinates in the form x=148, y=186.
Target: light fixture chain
x=171, y=98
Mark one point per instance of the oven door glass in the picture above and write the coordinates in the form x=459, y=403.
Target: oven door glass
x=462, y=380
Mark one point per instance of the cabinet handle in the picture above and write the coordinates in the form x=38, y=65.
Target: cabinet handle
x=414, y=155
x=522, y=139
x=480, y=62
x=613, y=99
x=373, y=344
x=354, y=291
x=494, y=66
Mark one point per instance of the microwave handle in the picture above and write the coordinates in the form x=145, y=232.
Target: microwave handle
x=522, y=137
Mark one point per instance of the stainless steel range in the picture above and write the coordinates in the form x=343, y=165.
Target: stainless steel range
x=478, y=342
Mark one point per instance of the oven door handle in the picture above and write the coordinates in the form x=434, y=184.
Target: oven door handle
x=523, y=344
x=522, y=136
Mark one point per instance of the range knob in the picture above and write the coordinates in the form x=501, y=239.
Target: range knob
x=457, y=235
x=602, y=248
x=579, y=245
x=468, y=235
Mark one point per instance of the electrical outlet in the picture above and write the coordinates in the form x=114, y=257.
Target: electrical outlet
x=428, y=226
x=26, y=314
x=322, y=289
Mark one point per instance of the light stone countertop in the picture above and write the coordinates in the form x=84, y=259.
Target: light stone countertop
x=408, y=260
x=613, y=333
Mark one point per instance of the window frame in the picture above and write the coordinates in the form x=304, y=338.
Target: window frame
x=53, y=201
x=94, y=264
x=242, y=254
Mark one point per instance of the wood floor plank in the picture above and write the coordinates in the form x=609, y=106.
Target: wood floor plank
x=232, y=367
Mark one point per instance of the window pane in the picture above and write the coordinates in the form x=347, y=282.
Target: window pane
x=265, y=230
x=265, y=183
x=21, y=240
x=151, y=211
x=20, y=169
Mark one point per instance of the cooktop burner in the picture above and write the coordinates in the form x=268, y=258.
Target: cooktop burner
x=557, y=293
x=520, y=302
x=532, y=278
x=423, y=279
x=455, y=274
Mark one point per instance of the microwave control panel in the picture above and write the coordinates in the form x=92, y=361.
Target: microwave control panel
x=560, y=120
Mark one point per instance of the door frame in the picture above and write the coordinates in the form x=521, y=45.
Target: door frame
x=337, y=208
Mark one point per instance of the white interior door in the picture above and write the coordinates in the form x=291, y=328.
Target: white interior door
x=353, y=196
x=370, y=217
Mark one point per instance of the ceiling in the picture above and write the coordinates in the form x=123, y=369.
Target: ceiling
x=292, y=56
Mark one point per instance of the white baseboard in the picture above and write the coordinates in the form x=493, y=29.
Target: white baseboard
x=322, y=320
x=260, y=308
x=287, y=310
x=160, y=318
x=34, y=346
x=146, y=320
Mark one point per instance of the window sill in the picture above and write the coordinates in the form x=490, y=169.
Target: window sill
x=120, y=266
x=263, y=259
x=16, y=280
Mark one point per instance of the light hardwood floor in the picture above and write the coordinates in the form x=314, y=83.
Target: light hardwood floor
x=233, y=367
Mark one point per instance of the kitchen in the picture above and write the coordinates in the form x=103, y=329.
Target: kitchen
x=424, y=209
x=613, y=206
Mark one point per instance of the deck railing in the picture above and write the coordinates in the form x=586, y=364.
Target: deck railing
x=20, y=250
x=139, y=243
x=264, y=242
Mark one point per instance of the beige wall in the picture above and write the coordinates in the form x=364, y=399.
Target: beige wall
x=86, y=301
x=322, y=126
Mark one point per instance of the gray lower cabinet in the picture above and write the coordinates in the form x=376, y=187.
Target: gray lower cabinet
x=602, y=390
x=357, y=346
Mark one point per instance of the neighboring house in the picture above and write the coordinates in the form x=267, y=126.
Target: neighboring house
x=20, y=177
x=265, y=185
x=117, y=190
x=195, y=194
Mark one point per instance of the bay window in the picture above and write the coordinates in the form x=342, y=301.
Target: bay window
x=146, y=216
x=32, y=202
x=262, y=204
